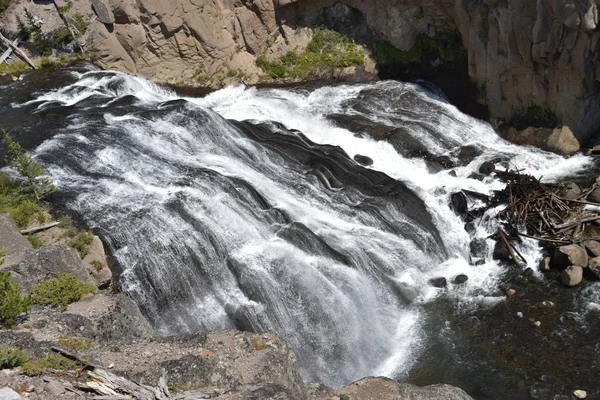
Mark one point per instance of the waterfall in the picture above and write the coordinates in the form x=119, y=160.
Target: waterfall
x=245, y=209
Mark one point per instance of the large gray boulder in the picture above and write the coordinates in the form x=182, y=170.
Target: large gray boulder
x=387, y=389
x=11, y=240
x=41, y=264
x=103, y=11
x=572, y=254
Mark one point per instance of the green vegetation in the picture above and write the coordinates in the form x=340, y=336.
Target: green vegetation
x=11, y=357
x=80, y=242
x=327, y=50
x=75, y=343
x=66, y=8
x=14, y=68
x=32, y=30
x=2, y=253
x=97, y=264
x=448, y=45
x=22, y=197
x=26, y=167
x=52, y=361
x=35, y=241
x=12, y=304
x=536, y=116
x=4, y=5
x=61, y=291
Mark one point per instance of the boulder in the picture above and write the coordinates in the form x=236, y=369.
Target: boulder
x=103, y=11
x=595, y=195
x=438, y=282
x=572, y=276
x=560, y=140
x=570, y=255
x=594, y=266
x=41, y=264
x=11, y=241
x=459, y=202
x=571, y=191
x=460, y=279
x=387, y=389
x=592, y=247
x=363, y=160
x=501, y=251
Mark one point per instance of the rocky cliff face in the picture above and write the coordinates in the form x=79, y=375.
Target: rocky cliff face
x=522, y=54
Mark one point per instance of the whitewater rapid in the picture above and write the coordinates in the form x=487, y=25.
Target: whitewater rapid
x=245, y=209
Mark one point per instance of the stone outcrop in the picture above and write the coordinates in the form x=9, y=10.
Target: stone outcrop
x=521, y=53
x=559, y=140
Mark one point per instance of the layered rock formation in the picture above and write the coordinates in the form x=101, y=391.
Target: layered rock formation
x=521, y=53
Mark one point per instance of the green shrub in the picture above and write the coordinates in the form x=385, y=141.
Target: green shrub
x=27, y=167
x=66, y=8
x=448, y=45
x=35, y=241
x=75, y=343
x=52, y=361
x=4, y=5
x=81, y=243
x=61, y=291
x=326, y=50
x=21, y=205
x=11, y=357
x=97, y=264
x=2, y=253
x=536, y=116
x=12, y=304
x=13, y=68
x=79, y=24
x=62, y=36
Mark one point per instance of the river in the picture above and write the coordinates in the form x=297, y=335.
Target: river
x=244, y=208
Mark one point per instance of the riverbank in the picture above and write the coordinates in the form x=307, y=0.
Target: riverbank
x=106, y=332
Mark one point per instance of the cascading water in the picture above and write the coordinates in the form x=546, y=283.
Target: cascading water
x=245, y=209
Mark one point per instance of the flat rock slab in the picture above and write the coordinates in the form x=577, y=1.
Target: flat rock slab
x=387, y=389
x=41, y=264
x=11, y=240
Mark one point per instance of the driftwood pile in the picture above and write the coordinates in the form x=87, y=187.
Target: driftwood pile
x=539, y=211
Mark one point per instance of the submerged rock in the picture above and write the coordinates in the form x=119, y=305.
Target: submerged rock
x=460, y=279
x=572, y=276
x=363, y=160
x=459, y=202
x=440, y=282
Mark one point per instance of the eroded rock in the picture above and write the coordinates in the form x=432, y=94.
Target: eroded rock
x=386, y=389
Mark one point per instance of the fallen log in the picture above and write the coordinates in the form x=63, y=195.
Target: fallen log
x=17, y=51
x=39, y=228
x=576, y=223
x=8, y=51
x=508, y=246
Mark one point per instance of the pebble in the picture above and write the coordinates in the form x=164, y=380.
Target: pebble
x=580, y=394
x=511, y=292
x=519, y=314
x=111, y=366
x=548, y=304
x=537, y=324
x=55, y=388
